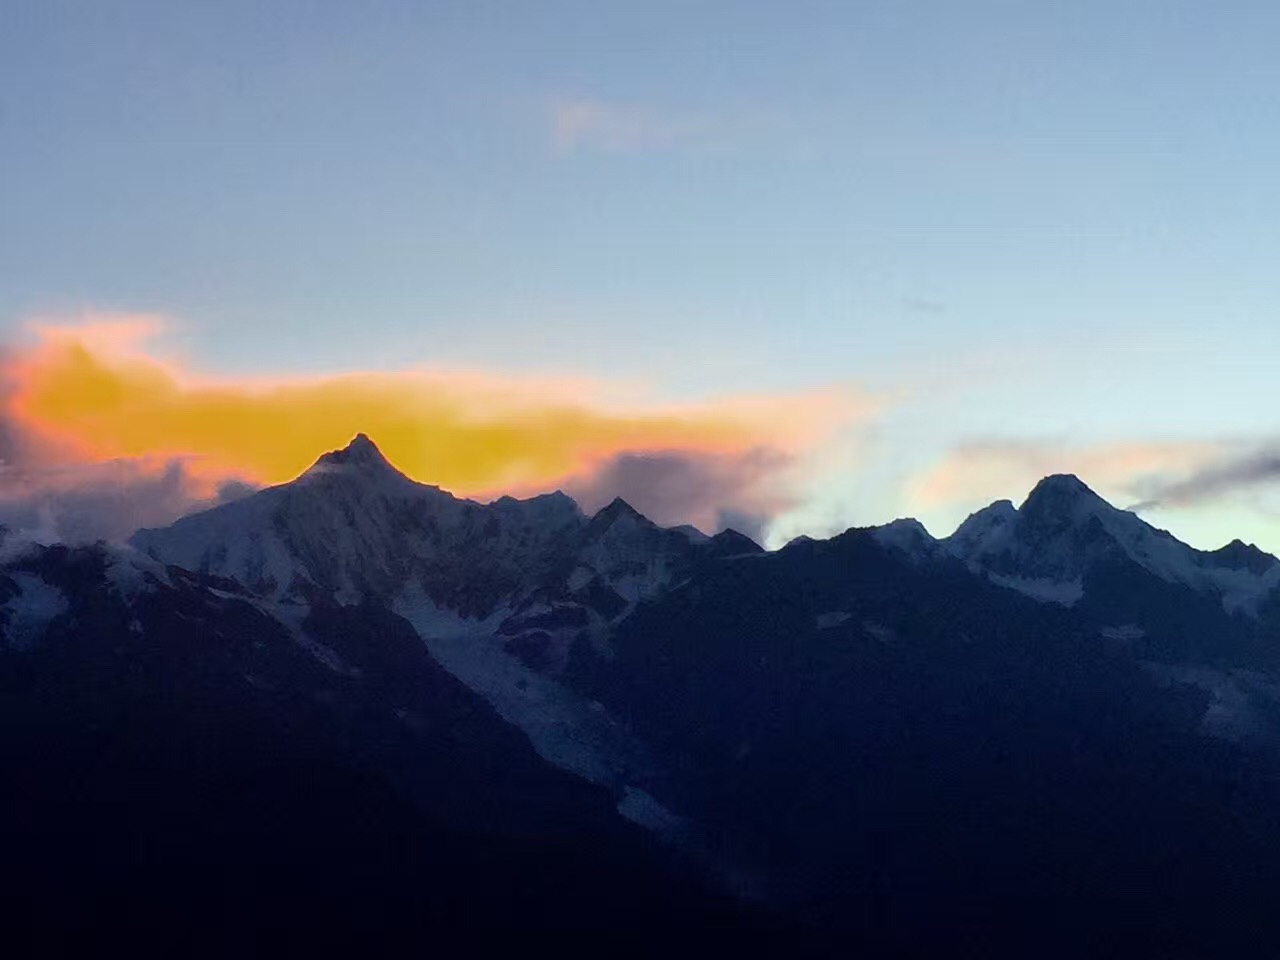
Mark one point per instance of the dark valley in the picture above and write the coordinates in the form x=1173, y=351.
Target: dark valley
x=355, y=710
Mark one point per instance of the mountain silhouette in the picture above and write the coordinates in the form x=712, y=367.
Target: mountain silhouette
x=358, y=706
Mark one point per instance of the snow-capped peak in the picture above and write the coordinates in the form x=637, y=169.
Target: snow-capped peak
x=354, y=526
x=1063, y=529
x=1061, y=487
x=618, y=512
x=908, y=536
x=1238, y=555
x=983, y=531
x=546, y=508
x=360, y=454
x=1064, y=498
x=693, y=533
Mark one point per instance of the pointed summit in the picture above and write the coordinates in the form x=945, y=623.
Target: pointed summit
x=361, y=453
x=1063, y=500
x=1238, y=555
x=984, y=531
x=1060, y=489
x=1065, y=532
x=619, y=508
x=618, y=505
x=730, y=543
x=617, y=511
x=906, y=535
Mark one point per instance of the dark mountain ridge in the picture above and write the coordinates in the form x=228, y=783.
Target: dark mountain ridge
x=1055, y=731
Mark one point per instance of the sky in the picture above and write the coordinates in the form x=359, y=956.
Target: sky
x=793, y=267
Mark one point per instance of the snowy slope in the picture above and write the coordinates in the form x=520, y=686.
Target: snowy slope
x=908, y=537
x=353, y=525
x=540, y=574
x=1046, y=547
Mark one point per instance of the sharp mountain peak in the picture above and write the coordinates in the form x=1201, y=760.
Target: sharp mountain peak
x=617, y=507
x=361, y=453
x=1060, y=489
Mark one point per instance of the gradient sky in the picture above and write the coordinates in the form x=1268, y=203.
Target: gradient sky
x=1043, y=237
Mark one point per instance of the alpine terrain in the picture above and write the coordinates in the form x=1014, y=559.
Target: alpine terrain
x=355, y=711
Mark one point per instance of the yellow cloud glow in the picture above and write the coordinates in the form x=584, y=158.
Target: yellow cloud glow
x=97, y=393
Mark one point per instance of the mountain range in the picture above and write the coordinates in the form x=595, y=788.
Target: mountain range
x=356, y=706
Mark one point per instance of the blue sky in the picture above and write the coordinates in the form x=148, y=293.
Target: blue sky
x=1043, y=228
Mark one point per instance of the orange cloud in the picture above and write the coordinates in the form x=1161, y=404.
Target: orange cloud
x=97, y=393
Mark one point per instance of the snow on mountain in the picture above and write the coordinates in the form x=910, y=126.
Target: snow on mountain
x=1045, y=589
x=565, y=729
x=30, y=605
x=1242, y=703
x=353, y=525
x=504, y=595
x=632, y=554
x=1238, y=555
x=986, y=531
x=617, y=560
x=499, y=593
x=693, y=533
x=538, y=573
x=1046, y=547
x=907, y=536
x=731, y=543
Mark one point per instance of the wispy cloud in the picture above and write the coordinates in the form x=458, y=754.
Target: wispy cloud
x=588, y=123
x=85, y=502
x=1220, y=478
x=980, y=471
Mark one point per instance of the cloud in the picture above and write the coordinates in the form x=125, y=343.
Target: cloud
x=712, y=491
x=1212, y=481
x=107, y=501
x=100, y=433
x=614, y=127
x=980, y=471
x=588, y=123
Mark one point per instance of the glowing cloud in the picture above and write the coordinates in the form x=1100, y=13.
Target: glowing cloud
x=98, y=393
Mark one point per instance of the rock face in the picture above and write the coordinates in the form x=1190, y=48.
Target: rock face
x=514, y=717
